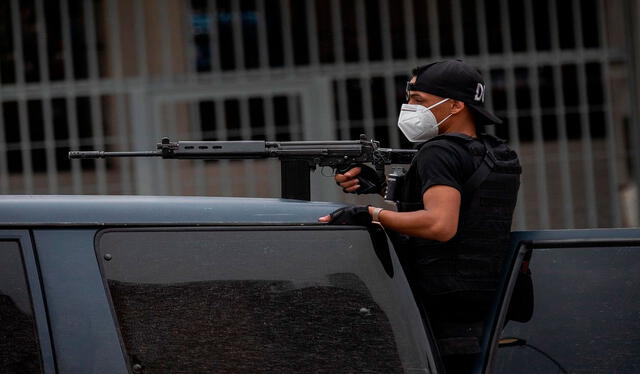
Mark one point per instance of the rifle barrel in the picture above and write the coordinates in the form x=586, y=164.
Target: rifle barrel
x=103, y=154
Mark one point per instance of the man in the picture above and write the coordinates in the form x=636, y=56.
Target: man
x=454, y=210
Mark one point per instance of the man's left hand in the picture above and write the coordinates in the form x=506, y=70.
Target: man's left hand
x=350, y=215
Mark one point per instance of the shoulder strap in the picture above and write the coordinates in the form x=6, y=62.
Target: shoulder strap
x=485, y=168
x=483, y=171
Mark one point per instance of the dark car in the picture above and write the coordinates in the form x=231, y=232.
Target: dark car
x=232, y=285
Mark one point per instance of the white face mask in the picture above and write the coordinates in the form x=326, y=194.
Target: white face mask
x=418, y=123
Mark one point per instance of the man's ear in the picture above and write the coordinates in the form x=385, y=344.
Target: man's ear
x=457, y=106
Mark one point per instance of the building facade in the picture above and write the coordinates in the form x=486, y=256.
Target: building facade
x=119, y=75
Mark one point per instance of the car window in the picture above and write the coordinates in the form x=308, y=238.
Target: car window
x=19, y=348
x=285, y=301
x=586, y=316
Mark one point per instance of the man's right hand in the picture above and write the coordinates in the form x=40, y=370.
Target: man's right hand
x=349, y=181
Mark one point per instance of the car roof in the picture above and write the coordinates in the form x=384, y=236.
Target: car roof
x=73, y=210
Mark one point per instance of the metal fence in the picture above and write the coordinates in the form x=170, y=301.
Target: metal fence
x=116, y=75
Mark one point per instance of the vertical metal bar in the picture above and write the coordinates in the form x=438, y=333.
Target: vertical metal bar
x=632, y=44
x=249, y=165
x=163, y=124
x=270, y=134
x=267, y=102
x=173, y=115
x=70, y=100
x=565, y=167
x=483, y=40
x=25, y=136
x=238, y=41
x=343, y=109
x=285, y=15
x=263, y=41
x=140, y=39
x=162, y=171
x=434, y=28
x=585, y=123
x=341, y=84
x=295, y=121
x=144, y=176
x=214, y=36
x=367, y=105
x=225, y=178
x=245, y=127
x=199, y=167
x=4, y=167
x=312, y=32
x=458, y=34
x=483, y=49
x=143, y=132
x=538, y=136
x=167, y=43
x=47, y=112
x=188, y=43
x=410, y=29
x=365, y=79
x=317, y=109
x=389, y=77
x=612, y=164
x=336, y=29
x=96, y=105
x=390, y=98
x=194, y=125
x=118, y=99
x=385, y=31
x=512, y=110
x=25, y=145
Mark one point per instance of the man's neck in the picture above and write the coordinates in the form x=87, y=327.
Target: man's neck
x=466, y=128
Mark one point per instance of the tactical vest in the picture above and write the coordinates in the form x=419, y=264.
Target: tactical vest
x=469, y=263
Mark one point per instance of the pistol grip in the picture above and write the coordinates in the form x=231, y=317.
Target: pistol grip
x=366, y=186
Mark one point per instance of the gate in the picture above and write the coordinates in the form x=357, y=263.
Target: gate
x=116, y=75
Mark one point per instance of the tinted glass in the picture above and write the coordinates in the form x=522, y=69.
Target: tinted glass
x=586, y=315
x=19, y=349
x=259, y=301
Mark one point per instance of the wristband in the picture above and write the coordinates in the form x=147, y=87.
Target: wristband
x=375, y=215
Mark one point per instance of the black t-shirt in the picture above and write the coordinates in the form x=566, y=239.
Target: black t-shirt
x=438, y=162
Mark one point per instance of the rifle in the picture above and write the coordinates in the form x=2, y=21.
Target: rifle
x=298, y=158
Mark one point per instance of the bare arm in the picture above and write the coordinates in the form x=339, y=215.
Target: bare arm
x=437, y=221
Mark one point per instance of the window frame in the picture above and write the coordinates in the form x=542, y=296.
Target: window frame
x=433, y=357
x=524, y=242
x=32, y=276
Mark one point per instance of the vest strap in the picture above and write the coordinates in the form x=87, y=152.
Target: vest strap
x=483, y=171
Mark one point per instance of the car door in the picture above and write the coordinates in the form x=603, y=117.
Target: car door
x=25, y=342
x=586, y=314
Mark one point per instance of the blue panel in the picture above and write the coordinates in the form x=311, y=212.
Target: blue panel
x=82, y=326
x=25, y=210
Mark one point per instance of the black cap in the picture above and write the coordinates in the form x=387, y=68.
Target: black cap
x=455, y=80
